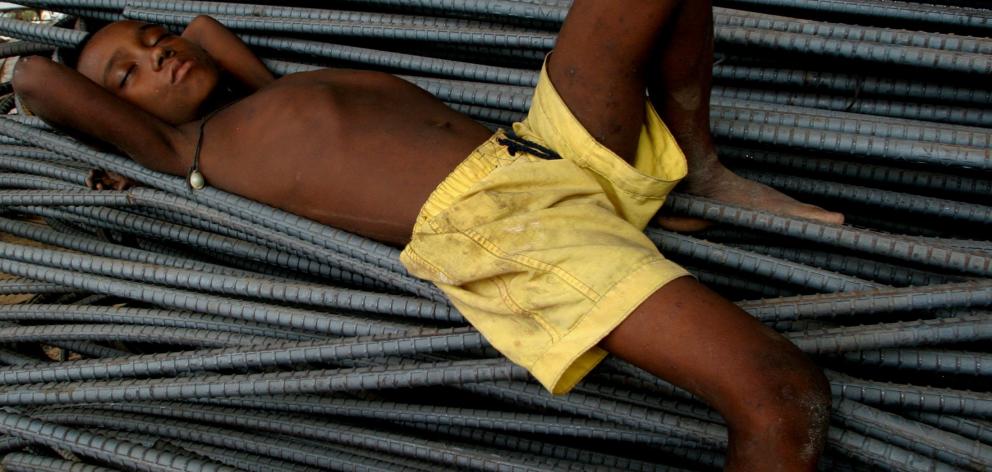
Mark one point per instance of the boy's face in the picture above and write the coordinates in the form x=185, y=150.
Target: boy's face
x=146, y=65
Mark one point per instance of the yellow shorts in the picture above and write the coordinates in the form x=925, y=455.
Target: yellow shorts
x=546, y=257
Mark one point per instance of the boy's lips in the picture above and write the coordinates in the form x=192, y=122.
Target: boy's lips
x=180, y=70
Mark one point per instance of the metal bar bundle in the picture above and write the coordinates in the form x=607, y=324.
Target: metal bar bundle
x=209, y=332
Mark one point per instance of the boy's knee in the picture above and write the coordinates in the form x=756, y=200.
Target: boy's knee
x=791, y=403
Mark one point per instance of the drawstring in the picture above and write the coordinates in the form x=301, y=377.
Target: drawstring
x=515, y=144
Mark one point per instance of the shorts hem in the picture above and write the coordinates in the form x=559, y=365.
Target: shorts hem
x=640, y=183
x=572, y=357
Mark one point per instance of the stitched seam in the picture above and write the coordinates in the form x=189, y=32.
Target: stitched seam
x=411, y=253
x=515, y=307
x=525, y=261
x=584, y=314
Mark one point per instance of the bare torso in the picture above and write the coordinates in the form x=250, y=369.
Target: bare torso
x=357, y=150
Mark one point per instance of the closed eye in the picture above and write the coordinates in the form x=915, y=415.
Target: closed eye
x=127, y=75
x=160, y=38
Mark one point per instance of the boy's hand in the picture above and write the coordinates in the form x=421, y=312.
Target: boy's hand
x=99, y=179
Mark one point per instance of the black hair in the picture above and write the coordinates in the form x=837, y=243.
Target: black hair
x=70, y=56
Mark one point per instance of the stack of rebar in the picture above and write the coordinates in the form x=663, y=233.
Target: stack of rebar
x=173, y=330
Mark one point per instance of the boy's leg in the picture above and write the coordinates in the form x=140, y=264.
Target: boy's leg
x=679, y=85
x=608, y=53
x=774, y=400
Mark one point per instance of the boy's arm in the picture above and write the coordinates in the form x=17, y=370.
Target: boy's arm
x=230, y=53
x=67, y=99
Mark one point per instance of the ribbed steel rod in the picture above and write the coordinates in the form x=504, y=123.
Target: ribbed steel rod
x=323, y=14
x=243, y=460
x=121, y=453
x=735, y=74
x=967, y=427
x=39, y=154
x=889, y=149
x=579, y=460
x=886, y=199
x=88, y=13
x=185, y=300
x=757, y=264
x=396, y=61
x=15, y=358
x=50, y=313
x=59, y=237
x=726, y=17
x=147, y=334
x=20, y=286
x=313, y=381
x=39, y=33
x=886, y=335
x=147, y=197
x=296, y=293
x=888, y=9
x=864, y=268
x=954, y=295
x=881, y=454
x=101, y=4
x=883, y=54
x=714, y=278
x=326, y=458
x=21, y=462
x=945, y=362
x=924, y=439
x=31, y=166
x=754, y=109
x=284, y=355
x=10, y=180
x=693, y=431
x=424, y=449
x=23, y=48
x=236, y=451
x=839, y=236
x=81, y=347
x=359, y=29
x=108, y=218
x=869, y=173
x=552, y=14
x=935, y=113
x=912, y=397
x=477, y=418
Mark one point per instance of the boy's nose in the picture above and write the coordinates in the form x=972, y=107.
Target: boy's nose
x=159, y=55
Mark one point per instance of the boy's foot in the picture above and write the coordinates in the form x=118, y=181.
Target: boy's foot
x=719, y=183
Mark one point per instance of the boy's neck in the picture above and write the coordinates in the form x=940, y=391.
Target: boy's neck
x=226, y=92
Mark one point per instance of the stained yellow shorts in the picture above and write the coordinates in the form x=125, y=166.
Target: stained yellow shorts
x=546, y=257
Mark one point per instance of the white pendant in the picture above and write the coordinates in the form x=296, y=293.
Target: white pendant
x=196, y=180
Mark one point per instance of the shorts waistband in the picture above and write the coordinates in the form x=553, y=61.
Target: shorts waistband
x=479, y=164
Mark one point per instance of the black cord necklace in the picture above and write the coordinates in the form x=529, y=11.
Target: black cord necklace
x=194, y=177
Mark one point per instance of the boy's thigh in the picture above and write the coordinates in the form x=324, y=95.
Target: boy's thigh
x=600, y=64
x=694, y=338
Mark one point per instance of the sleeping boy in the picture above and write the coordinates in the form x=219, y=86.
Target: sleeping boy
x=536, y=235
